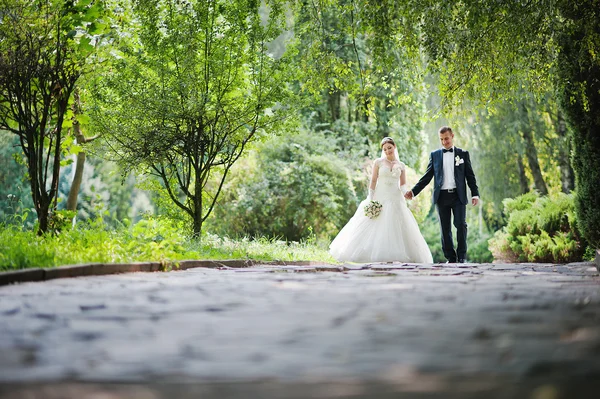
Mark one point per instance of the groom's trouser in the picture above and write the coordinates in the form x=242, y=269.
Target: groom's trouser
x=449, y=204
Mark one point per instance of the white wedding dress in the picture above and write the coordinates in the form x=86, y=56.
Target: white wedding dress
x=393, y=236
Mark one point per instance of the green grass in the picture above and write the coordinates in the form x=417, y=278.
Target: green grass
x=148, y=240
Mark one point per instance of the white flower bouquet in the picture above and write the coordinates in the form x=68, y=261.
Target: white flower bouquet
x=373, y=209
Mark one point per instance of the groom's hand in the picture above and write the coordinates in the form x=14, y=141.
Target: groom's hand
x=475, y=201
x=408, y=195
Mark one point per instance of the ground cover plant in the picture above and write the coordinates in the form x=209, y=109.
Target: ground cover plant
x=151, y=239
x=539, y=229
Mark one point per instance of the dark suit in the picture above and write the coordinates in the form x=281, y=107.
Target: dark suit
x=448, y=204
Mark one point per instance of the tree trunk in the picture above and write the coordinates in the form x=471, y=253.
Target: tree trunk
x=579, y=79
x=523, y=182
x=80, y=164
x=40, y=202
x=567, y=177
x=333, y=101
x=197, y=224
x=531, y=153
x=76, y=183
x=43, y=211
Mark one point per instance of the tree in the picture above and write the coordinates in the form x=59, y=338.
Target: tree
x=578, y=79
x=43, y=49
x=193, y=87
x=360, y=81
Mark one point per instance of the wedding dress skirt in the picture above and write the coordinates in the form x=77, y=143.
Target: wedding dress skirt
x=393, y=236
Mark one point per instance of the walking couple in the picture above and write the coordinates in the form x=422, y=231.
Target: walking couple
x=394, y=234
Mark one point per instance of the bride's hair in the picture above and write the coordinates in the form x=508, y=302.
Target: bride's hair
x=387, y=140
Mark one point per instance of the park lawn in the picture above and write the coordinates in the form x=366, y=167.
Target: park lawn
x=148, y=240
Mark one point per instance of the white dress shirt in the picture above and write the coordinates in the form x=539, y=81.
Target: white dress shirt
x=449, y=182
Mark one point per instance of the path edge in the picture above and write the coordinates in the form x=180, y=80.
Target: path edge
x=102, y=269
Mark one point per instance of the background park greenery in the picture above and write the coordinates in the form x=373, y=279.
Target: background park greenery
x=174, y=129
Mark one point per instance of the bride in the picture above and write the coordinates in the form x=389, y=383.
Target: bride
x=393, y=235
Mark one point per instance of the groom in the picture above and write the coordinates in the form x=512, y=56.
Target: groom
x=450, y=167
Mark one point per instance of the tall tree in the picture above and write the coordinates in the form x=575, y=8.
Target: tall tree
x=371, y=82
x=194, y=85
x=43, y=49
x=579, y=83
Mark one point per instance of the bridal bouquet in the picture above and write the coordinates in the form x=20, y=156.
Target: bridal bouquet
x=373, y=209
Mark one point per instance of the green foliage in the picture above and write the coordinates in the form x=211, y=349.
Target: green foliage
x=60, y=220
x=478, y=248
x=152, y=239
x=539, y=229
x=292, y=187
x=488, y=50
x=367, y=50
x=106, y=192
x=193, y=85
x=15, y=193
x=579, y=79
x=360, y=79
x=21, y=249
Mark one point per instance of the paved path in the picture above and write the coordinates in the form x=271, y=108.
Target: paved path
x=490, y=331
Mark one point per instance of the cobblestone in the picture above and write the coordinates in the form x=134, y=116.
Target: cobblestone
x=489, y=330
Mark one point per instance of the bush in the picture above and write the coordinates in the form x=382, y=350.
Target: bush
x=289, y=188
x=539, y=229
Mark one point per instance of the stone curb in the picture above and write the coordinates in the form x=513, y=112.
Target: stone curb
x=101, y=269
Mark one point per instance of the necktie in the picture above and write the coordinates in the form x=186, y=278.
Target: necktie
x=445, y=150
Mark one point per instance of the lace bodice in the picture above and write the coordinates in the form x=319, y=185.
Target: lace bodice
x=388, y=181
x=386, y=173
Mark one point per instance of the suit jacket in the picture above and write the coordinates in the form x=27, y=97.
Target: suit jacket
x=463, y=175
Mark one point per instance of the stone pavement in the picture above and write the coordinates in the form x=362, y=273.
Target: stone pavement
x=373, y=331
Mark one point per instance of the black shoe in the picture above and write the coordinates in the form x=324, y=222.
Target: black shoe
x=462, y=261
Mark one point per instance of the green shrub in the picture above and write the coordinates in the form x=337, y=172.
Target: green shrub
x=289, y=188
x=539, y=229
x=21, y=249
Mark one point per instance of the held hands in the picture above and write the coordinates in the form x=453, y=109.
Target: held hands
x=409, y=195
